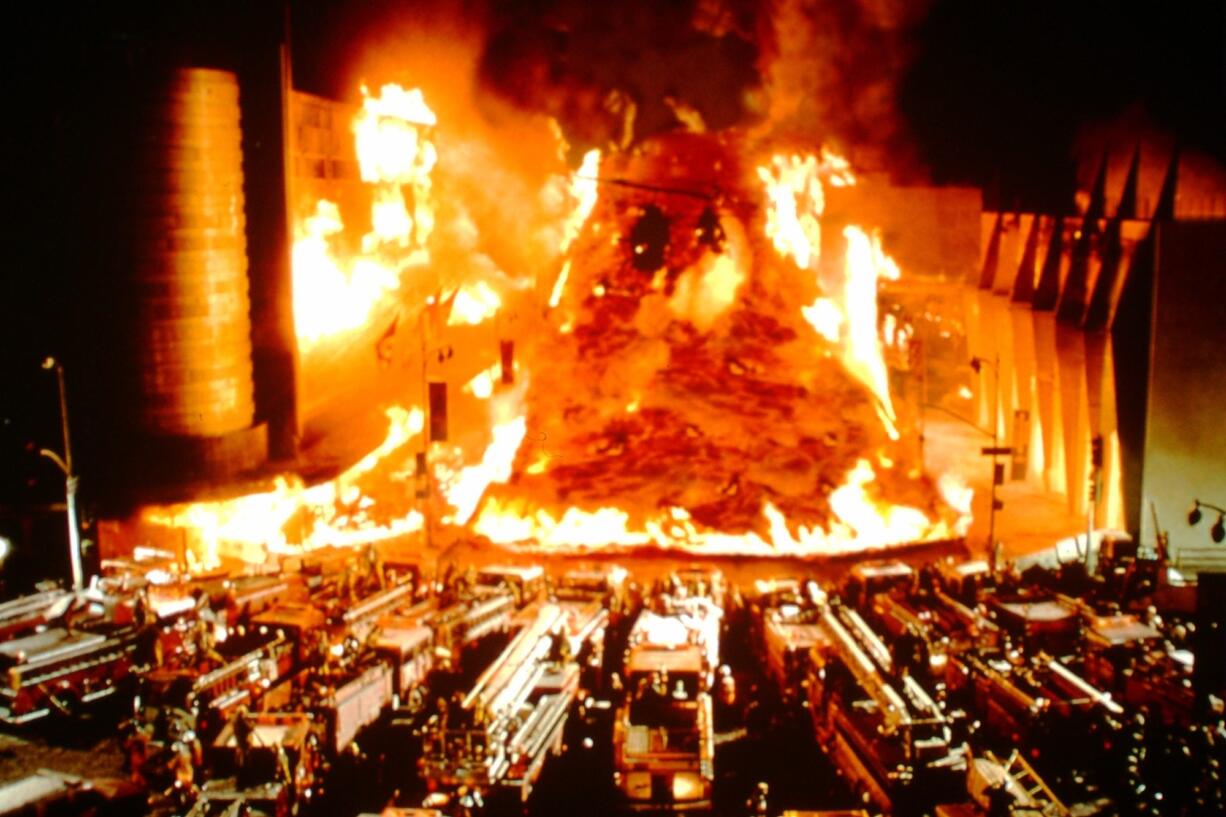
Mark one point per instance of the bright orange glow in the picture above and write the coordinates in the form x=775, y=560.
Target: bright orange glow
x=389, y=136
x=464, y=488
x=793, y=223
x=793, y=220
x=474, y=304
x=481, y=385
x=584, y=191
x=958, y=495
x=293, y=517
x=861, y=523
x=862, y=352
x=826, y=317
x=705, y=293
x=714, y=296
x=836, y=169
x=335, y=295
x=328, y=298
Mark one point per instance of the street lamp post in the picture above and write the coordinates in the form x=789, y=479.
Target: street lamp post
x=70, y=478
x=977, y=363
x=1218, y=531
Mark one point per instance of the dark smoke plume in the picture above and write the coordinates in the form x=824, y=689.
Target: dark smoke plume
x=803, y=70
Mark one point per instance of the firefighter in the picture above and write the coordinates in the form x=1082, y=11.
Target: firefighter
x=149, y=645
x=727, y=685
x=757, y=803
x=374, y=567
x=204, y=629
x=244, y=733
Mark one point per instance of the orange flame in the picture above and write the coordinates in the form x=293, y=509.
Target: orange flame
x=793, y=220
x=860, y=523
x=464, y=488
x=793, y=223
x=293, y=517
x=474, y=304
x=333, y=296
x=329, y=299
x=862, y=351
x=583, y=189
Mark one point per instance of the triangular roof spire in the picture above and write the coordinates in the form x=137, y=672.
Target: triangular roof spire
x=990, y=259
x=1165, y=209
x=1098, y=193
x=1128, y=198
x=1023, y=284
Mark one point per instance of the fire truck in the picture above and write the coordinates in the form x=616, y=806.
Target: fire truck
x=663, y=732
x=786, y=618
x=880, y=725
x=498, y=736
x=75, y=656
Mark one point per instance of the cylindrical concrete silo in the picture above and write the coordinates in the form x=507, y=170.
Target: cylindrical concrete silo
x=190, y=260
x=190, y=401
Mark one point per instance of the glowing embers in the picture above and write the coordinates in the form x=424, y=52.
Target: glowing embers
x=337, y=292
x=293, y=517
x=861, y=522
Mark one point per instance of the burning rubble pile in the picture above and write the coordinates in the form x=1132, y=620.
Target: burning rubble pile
x=698, y=389
x=705, y=374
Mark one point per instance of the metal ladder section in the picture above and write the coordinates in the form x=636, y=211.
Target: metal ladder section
x=1021, y=772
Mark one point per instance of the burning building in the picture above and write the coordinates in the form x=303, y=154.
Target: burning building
x=701, y=367
x=368, y=299
x=606, y=308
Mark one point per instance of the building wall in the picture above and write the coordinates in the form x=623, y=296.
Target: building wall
x=928, y=230
x=1185, y=444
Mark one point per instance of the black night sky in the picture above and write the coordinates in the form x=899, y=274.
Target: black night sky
x=990, y=94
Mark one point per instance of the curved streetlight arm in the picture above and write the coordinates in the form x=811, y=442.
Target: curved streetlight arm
x=57, y=459
x=977, y=361
x=1197, y=503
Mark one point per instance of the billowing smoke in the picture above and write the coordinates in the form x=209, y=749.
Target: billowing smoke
x=616, y=73
x=803, y=70
x=831, y=71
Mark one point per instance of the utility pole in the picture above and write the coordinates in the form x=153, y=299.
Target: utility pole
x=1096, y=466
x=70, y=478
x=996, y=450
x=423, y=459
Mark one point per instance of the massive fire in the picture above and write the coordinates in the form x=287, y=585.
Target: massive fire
x=705, y=371
x=696, y=429
x=335, y=293
x=293, y=517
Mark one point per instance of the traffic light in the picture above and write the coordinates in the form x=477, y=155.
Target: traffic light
x=1096, y=451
